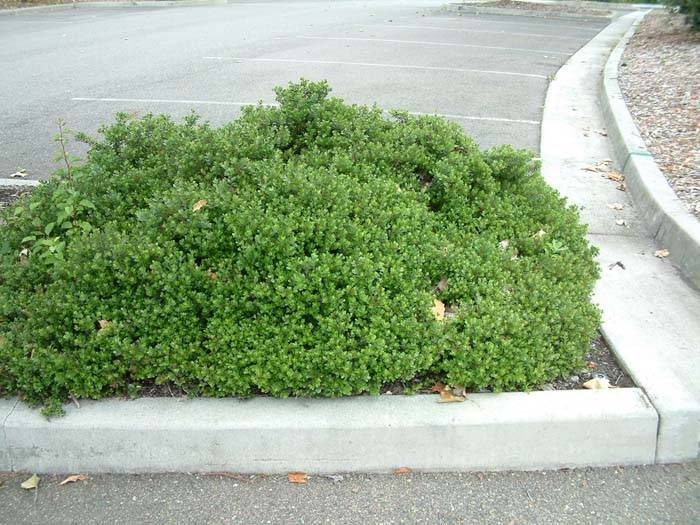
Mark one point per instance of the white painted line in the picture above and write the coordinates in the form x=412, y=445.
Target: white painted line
x=174, y=101
x=226, y=103
x=487, y=119
x=374, y=64
x=465, y=30
x=557, y=26
x=426, y=43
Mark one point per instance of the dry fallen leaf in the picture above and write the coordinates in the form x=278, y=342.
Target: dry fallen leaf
x=212, y=275
x=539, y=234
x=616, y=206
x=621, y=186
x=504, y=244
x=438, y=309
x=104, y=324
x=621, y=222
x=597, y=383
x=614, y=175
x=19, y=174
x=297, y=477
x=31, y=483
x=402, y=470
x=441, y=285
x=662, y=253
x=199, y=205
x=446, y=396
x=591, y=365
x=74, y=478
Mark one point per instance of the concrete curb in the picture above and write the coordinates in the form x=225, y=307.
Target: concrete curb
x=18, y=182
x=641, y=340
x=666, y=217
x=521, y=431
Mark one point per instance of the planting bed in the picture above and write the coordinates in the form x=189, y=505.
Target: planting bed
x=315, y=249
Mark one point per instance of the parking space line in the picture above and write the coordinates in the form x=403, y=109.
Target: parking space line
x=174, y=101
x=487, y=119
x=274, y=104
x=375, y=64
x=427, y=43
x=466, y=30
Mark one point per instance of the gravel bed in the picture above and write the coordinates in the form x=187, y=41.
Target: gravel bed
x=550, y=8
x=11, y=193
x=660, y=80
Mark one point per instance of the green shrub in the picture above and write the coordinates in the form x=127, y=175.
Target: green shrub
x=691, y=10
x=295, y=251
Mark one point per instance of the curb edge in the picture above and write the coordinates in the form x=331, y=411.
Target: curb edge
x=671, y=225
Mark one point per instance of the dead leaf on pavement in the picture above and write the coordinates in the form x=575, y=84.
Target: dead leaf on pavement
x=446, y=396
x=597, y=383
x=19, y=174
x=438, y=309
x=199, y=205
x=616, y=206
x=297, y=477
x=74, y=478
x=621, y=222
x=622, y=186
x=402, y=470
x=614, y=175
x=31, y=483
x=601, y=166
x=662, y=253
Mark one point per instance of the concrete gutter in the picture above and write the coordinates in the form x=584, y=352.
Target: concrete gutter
x=649, y=311
x=667, y=219
x=361, y=434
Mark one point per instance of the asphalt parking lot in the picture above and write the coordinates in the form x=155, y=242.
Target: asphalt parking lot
x=489, y=72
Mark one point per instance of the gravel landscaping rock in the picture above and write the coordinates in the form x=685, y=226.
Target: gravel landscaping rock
x=660, y=80
x=11, y=193
x=550, y=8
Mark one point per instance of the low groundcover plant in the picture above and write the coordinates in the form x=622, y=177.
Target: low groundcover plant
x=301, y=250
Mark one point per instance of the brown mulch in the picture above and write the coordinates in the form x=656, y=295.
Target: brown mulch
x=660, y=80
x=8, y=194
x=551, y=8
x=17, y=4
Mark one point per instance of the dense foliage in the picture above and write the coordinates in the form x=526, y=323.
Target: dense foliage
x=691, y=10
x=295, y=251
